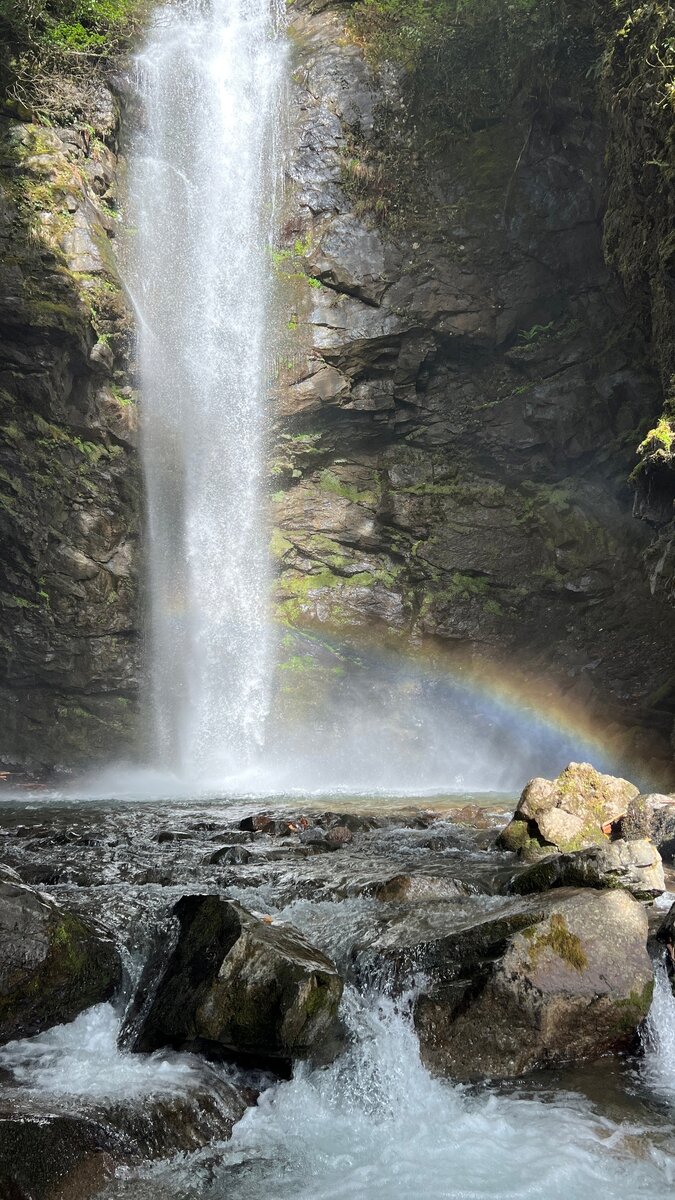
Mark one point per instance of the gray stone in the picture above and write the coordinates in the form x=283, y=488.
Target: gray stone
x=635, y=866
x=239, y=983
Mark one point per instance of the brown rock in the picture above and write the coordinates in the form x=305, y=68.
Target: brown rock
x=567, y=813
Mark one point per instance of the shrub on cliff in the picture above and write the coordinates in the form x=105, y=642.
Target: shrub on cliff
x=41, y=37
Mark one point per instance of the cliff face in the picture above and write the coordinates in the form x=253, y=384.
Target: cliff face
x=638, y=88
x=69, y=487
x=462, y=384
x=465, y=384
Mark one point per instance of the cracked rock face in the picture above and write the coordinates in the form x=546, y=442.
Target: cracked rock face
x=458, y=392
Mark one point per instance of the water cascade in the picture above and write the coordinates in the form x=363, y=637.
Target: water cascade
x=202, y=186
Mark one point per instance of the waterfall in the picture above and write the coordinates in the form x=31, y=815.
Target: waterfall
x=202, y=179
x=659, y=1037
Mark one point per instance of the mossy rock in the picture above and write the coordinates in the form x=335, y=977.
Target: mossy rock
x=246, y=988
x=53, y=964
x=573, y=812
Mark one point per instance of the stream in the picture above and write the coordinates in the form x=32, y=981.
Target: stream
x=375, y=1123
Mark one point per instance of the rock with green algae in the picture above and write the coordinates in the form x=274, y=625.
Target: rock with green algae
x=567, y=813
x=635, y=866
x=574, y=984
x=237, y=984
x=53, y=964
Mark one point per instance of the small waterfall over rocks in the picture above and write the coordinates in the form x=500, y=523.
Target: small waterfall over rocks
x=203, y=176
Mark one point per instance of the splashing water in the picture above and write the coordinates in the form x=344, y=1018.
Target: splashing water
x=202, y=184
x=658, y=1067
x=82, y=1059
x=377, y=1125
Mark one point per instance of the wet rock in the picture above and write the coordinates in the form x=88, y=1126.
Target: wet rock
x=437, y=942
x=236, y=984
x=45, y=1153
x=54, y=1157
x=53, y=964
x=339, y=835
x=419, y=888
x=230, y=855
x=635, y=866
x=317, y=839
x=651, y=816
x=258, y=823
x=569, y=813
x=572, y=985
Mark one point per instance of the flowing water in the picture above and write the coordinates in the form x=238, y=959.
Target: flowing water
x=202, y=188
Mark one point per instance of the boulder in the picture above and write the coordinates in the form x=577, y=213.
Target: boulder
x=572, y=985
x=49, y=1154
x=437, y=944
x=635, y=866
x=53, y=963
x=238, y=984
x=568, y=813
x=505, y=986
x=54, y=1157
x=651, y=816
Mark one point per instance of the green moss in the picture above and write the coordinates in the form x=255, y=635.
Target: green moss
x=560, y=940
x=658, y=439
x=329, y=482
x=630, y=1012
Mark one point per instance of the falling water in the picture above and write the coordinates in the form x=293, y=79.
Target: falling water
x=659, y=1037
x=203, y=174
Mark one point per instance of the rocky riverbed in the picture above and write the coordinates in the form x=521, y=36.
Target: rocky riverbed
x=165, y=967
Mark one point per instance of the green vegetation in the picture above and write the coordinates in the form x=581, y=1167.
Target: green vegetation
x=559, y=938
x=466, y=58
x=658, y=439
x=38, y=37
x=535, y=334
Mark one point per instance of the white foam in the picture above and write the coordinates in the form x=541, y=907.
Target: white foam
x=83, y=1059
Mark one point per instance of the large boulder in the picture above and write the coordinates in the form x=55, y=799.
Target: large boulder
x=635, y=866
x=53, y=963
x=239, y=984
x=569, y=813
x=48, y=1153
x=508, y=985
x=573, y=985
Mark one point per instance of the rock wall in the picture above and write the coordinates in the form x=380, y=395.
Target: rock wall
x=460, y=390
x=463, y=390
x=69, y=486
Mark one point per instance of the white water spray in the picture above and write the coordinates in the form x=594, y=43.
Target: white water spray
x=659, y=1038
x=202, y=183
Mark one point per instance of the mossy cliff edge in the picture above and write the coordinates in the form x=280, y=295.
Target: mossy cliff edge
x=69, y=486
